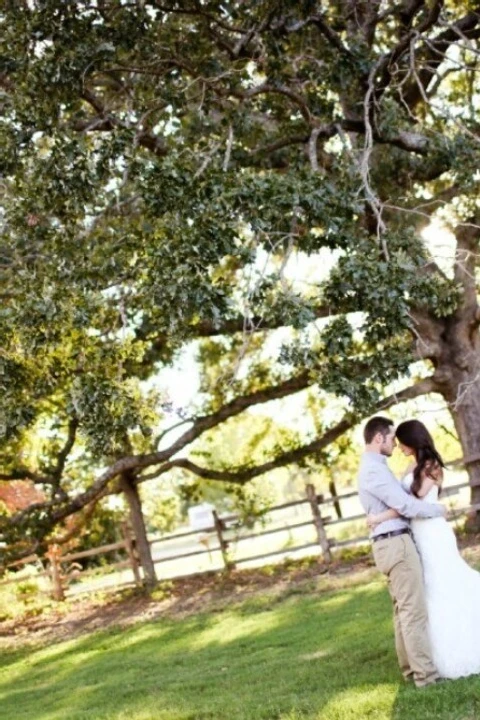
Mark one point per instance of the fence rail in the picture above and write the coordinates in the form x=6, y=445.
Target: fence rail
x=62, y=568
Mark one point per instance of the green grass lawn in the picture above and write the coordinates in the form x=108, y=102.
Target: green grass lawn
x=305, y=655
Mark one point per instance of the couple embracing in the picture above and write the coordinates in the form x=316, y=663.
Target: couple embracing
x=435, y=594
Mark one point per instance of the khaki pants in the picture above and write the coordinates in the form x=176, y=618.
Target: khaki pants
x=397, y=558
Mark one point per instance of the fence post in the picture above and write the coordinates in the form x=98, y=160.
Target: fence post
x=229, y=565
x=53, y=555
x=336, y=503
x=130, y=548
x=318, y=522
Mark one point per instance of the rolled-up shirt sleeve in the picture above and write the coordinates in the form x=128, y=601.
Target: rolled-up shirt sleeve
x=389, y=491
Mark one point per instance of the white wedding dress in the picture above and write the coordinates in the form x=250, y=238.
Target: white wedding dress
x=452, y=591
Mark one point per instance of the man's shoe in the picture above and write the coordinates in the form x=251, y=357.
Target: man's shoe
x=432, y=682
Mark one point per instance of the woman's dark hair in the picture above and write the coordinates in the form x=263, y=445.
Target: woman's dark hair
x=415, y=435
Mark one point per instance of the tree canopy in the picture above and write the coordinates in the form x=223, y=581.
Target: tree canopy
x=164, y=163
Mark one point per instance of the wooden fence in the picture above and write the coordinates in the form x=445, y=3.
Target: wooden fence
x=323, y=513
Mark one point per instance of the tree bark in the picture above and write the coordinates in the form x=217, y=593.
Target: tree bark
x=458, y=377
x=132, y=496
x=466, y=415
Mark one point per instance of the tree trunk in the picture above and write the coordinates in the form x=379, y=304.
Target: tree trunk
x=466, y=415
x=138, y=525
x=459, y=384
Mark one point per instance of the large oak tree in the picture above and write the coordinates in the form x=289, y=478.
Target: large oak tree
x=164, y=162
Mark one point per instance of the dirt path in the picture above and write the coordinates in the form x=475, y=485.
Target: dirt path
x=176, y=598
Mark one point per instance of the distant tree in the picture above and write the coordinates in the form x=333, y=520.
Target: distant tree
x=161, y=508
x=19, y=494
x=102, y=527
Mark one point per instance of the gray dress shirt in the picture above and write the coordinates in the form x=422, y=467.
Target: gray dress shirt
x=378, y=490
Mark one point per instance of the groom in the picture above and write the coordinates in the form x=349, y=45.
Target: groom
x=394, y=551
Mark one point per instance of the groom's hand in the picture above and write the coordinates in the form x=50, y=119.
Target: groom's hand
x=372, y=521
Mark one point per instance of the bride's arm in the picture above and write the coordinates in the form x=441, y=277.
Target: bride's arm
x=427, y=483
x=374, y=520
x=432, y=475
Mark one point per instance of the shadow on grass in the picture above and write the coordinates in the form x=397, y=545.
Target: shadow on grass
x=308, y=657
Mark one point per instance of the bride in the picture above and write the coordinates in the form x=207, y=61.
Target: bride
x=452, y=588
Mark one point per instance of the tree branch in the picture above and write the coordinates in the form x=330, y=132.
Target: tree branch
x=207, y=328
x=243, y=476
x=64, y=453
x=25, y=474
x=435, y=55
x=104, y=121
x=466, y=260
x=389, y=60
x=59, y=510
x=408, y=12
x=327, y=32
x=442, y=198
x=405, y=140
x=53, y=512
x=265, y=88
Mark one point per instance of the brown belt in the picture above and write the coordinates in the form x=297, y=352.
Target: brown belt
x=393, y=533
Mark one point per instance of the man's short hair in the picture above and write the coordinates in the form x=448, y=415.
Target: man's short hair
x=376, y=425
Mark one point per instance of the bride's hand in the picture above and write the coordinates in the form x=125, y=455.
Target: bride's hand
x=372, y=521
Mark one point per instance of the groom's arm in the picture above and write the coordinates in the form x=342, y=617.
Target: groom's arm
x=392, y=494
